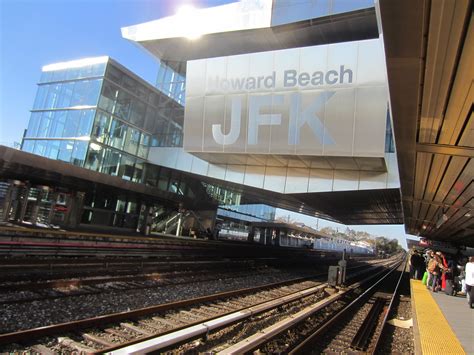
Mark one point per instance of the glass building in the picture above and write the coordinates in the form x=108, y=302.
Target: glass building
x=96, y=114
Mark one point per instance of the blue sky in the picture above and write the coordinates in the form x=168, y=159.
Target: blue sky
x=34, y=33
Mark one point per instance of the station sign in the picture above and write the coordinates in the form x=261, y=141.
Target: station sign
x=321, y=100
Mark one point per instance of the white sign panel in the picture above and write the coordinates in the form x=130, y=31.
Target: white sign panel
x=322, y=100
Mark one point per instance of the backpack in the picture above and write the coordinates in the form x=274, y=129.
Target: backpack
x=432, y=265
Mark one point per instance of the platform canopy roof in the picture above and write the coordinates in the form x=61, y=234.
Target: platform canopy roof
x=429, y=47
x=231, y=30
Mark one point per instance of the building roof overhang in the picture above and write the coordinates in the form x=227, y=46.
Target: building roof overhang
x=344, y=27
x=18, y=165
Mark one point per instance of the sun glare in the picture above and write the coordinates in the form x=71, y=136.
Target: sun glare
x=189, y=21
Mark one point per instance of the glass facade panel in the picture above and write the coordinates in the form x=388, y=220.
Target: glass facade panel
x=94, y=157
x=123, y=105
x=108, y=97
x=111, y=162
x=114, y=74
x=40, y=96
x=171, y=83
x=132, y=140
x=28, y=145
x=127, y=165
x=118, y=132
x=33, y=125
x=72, y=123
x=67, y=90
x=65, y=150
x=74, y=73
x=52, y=150
x=79, y=153
x=137, y=116
x=85, y=125
x=138, y=172
x=45, y=124
x=143, y=147
x=69, y=94
x=101, y=127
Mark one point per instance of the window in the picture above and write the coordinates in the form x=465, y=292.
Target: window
x=28, y=145
x=126, y=167
x=132, y=141
x=108, y=97
x=33, y=125
x=44, y=127
x=94, y=156
x=79, y=153
x=138, y=172
x=137, y=116
x=40, y=97
x=118, y=131
x=85, y=124
x=72, y=123
x=122, y=108
x=59, y=123
x=65, y=150
x=102, y=127
x=143, y=147
x=114, y=74
x=111, y=162
x=66, y=94
x=52, y=96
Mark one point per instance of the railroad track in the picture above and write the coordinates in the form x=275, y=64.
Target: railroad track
x=49, y=290
x=171, y=321
x=185, y=272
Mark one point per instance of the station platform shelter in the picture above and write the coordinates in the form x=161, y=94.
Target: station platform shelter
x=442, y=324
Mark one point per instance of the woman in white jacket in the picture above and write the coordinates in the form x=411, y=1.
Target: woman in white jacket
x=470, y=282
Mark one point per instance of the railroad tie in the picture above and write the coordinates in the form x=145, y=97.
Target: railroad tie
x=194, y=314
x=154, y=326
x=96, y=339
x=135, y=329
x=75, y=345
x=119, y=333
x=169, y=322
x=43, y=350
x=176, y=318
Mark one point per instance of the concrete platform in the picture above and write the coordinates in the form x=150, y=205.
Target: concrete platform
x=442, y=324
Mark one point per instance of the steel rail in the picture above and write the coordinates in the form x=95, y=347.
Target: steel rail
x=200, y=329
x=180, y=336
x=361, y=338
x=115, y=317
x=376, y=342
x=306, y=344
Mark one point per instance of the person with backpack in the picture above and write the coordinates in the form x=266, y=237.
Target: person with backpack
x=435, y=267
x=429, y=267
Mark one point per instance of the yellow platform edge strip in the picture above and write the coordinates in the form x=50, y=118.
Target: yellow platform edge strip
x=436, y=335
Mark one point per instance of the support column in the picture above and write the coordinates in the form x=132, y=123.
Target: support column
x=178, y=227
x=34, y=214
x=276, y=241
x=8, y=202
x=268, y=236
x=23, y=202
x=251, y=236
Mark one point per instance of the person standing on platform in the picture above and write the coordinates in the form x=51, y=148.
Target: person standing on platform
x=444, y=271
x=470, y=282
x=435, y=267
x=421, y=267
x=412, y=263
